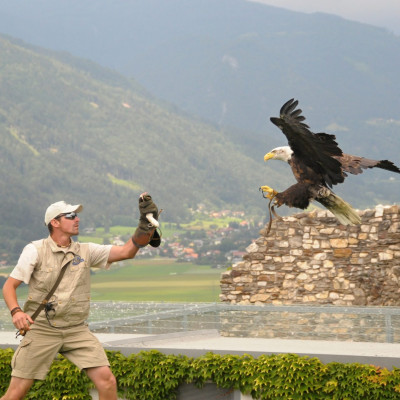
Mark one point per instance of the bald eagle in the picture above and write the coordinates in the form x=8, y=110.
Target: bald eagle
x=317, y=163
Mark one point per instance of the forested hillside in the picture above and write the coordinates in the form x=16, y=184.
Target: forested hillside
x=234, y=62
x=72, y=130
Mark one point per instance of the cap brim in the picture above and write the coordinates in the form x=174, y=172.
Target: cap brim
x=64, y=210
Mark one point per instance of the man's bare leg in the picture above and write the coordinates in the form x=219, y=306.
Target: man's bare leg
x=18, y=388
x=105, y=382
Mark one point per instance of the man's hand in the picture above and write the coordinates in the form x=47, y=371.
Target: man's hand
x=146, y=232
x=22, y=322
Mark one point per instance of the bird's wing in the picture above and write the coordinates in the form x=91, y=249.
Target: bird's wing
x=316, y=150
x=355, y=165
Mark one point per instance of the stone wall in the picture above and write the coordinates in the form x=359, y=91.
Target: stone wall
x=309, y=258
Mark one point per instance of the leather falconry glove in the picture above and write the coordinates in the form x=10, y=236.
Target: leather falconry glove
x=146, y=232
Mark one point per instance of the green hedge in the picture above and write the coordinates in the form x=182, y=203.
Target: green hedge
x=152, y=375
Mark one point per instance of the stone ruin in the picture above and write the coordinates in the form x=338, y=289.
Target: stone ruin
x=309, y=258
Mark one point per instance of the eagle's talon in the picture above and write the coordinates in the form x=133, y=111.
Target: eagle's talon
x=271, y=192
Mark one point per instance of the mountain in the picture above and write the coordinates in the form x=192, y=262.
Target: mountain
x=81, y=116
x=234, y=62
x=73, y=130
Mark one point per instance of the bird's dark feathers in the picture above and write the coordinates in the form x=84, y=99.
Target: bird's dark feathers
x=315, y=151
x=317, y=163
x=297, y=195
x=355, y=165
x=288, y=111
x=388, y=165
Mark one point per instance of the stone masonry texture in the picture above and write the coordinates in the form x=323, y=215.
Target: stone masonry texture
x=309, y=258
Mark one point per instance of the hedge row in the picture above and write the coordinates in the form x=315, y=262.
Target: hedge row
x=152, y=375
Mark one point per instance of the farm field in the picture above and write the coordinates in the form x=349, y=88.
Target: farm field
x=157, y=280
x=153, y=280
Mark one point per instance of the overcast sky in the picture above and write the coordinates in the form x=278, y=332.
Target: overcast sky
x=382, y=13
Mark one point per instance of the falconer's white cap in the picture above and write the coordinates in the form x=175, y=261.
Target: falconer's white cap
x=61, y=207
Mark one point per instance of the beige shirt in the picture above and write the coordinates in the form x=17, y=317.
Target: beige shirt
x=28, y=259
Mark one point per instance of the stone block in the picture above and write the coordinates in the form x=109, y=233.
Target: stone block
x=320, y=256
x=353, y=241
x=379, y=211
x=327, y=264
x=342, y=252
x=365, y=228
x=295, y=241
x=304, y=265
x=259, y=298
x=257, y=256
x=288, y=284
x=257, y=267
x=327, y=231
x=266, y=278
x=385, y=256
x=296, y=252
x=288, y=259
x=316, y=244
x=396, y=225
x=302, y=276
x=243, y=279
x=339, y=243
x=325, y=244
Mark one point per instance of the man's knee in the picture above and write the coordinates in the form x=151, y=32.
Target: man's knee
x=110, y=382
x=102, y=377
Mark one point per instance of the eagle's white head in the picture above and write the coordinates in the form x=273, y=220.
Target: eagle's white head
x=283, y=153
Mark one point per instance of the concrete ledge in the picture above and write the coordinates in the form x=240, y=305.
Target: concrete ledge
x=197, y=343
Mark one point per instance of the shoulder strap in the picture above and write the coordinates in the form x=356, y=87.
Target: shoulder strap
x=52, y=290
x=47, y=298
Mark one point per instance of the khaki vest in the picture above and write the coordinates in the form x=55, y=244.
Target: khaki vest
x=71, y=300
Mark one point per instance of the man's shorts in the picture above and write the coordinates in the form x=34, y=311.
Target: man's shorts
x=42, y=343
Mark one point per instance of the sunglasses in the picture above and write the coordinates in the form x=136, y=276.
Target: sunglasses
x=71, y=215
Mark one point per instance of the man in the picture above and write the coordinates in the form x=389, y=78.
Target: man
x=60, y=326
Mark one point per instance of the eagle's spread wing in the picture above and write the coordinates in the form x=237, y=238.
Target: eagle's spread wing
x=315, y=150
x=355, y=165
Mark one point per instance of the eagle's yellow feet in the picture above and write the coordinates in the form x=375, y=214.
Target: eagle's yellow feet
x=271, y=192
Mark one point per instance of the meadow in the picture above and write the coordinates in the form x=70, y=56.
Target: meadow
x=157, y=280
x=153, y=279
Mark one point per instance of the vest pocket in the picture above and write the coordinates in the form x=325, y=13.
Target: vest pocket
x=77, y=309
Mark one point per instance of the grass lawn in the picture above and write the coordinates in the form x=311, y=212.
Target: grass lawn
x=157, y=280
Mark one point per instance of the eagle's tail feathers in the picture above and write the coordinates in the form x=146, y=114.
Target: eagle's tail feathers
x=342, y=210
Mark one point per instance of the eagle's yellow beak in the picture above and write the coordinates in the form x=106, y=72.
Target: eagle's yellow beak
x=268, y=156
